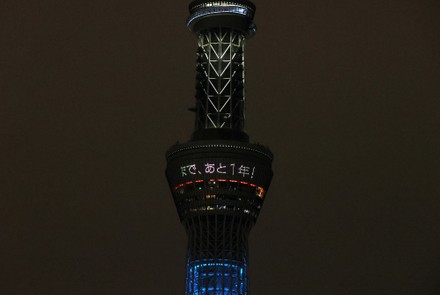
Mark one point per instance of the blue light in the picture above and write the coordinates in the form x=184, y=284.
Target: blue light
x=216, y=278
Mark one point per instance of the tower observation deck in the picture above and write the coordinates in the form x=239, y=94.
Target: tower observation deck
x=218, y=179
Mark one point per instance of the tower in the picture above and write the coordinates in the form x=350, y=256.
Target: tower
x=219, y=179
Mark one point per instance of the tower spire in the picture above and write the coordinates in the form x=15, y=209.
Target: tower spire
x=218, y=179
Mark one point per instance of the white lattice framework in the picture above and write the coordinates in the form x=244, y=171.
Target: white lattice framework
x=220, y=79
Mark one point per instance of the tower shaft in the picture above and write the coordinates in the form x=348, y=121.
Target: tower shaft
x=218, y=179
x=217, y=254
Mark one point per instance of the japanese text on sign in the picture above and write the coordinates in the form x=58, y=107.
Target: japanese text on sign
x=218, y=168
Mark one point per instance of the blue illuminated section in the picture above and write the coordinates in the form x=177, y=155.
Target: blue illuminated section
x=216, y=278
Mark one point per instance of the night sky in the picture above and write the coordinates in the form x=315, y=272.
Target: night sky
x=345, y=93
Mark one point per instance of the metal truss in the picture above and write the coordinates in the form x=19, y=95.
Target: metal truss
x=220, y=79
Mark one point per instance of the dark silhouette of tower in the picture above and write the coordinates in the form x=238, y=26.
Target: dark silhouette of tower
x=218, y=179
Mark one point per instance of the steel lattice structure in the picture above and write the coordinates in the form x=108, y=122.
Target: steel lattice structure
x=218, y=179
x=220, y=77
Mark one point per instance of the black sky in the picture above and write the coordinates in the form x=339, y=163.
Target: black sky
x=345, y=93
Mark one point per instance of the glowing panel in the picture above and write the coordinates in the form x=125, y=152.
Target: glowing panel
x=216, y=278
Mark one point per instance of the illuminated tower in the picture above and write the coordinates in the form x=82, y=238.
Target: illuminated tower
x=218, y=179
